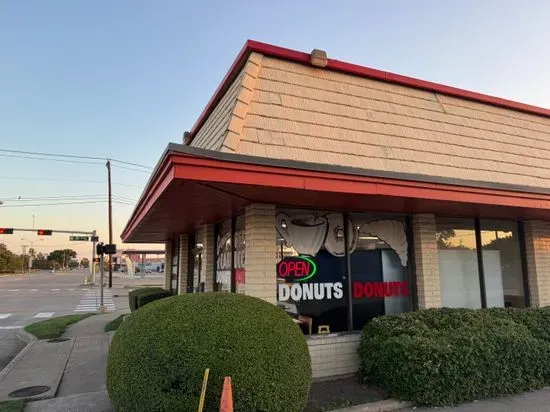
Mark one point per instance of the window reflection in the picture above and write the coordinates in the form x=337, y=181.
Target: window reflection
x=502, y=264
x=458, y=267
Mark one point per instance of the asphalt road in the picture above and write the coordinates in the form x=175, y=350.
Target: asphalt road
x=27, y=299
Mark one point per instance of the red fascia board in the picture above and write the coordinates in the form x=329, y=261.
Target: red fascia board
x=158, y=185
x=205, y=170
x=361, y=71
x=211, y=170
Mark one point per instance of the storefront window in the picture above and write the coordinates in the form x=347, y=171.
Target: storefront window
x=502, y=264
x=379, y=259
x=239, y=240
x=175, y=267
x=458, y=263
x=223, y=256
x=310, y=271
x=198, y=283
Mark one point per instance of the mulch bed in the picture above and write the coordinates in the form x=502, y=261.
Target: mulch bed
x=340, y=393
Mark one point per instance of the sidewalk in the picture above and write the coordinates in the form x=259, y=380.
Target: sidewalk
x=537, y=401
x=83, y=386
x=74, y=370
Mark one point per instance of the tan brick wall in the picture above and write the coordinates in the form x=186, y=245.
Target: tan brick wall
x=427, y=265
x=260, y=278
x=334, y=355
x=537, y=246
x=167, y=264
x=206, y=237
x=183, y=263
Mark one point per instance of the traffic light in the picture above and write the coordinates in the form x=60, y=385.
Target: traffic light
x=44, y=232
x=6, y=231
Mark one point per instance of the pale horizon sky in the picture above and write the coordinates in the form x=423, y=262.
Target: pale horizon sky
x=122, y=79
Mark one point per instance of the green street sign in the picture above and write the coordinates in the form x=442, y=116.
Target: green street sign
x=80, y=238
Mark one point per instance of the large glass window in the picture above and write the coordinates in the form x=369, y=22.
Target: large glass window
x=458, y=267
x=502, y=264
x=458, y=243
x=312, y=275
x=223, y=256
x=239, y=241
x=379, y=259
x=175, y=266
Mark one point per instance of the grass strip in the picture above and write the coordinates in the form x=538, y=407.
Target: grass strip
x=54, y=327
x=115, y=323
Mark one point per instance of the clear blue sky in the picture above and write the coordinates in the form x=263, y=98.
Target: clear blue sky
x=123, y=78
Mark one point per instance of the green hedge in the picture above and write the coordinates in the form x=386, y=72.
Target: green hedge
x=148, y=297
x=133, y=296
x=443, y=357
x=159, y=354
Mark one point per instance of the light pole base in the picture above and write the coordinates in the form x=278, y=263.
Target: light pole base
x=102, y=309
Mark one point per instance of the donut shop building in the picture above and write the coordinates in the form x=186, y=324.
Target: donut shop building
x=341, y=193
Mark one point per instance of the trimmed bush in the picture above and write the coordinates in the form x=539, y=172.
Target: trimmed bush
x=442, y=357
x=133, y=296
x=160, y=352
x=148, y=297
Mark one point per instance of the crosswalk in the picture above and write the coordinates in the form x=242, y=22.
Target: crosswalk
x=9, y=316
x=92, y=300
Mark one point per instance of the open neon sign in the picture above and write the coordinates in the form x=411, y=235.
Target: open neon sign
x=296, y=268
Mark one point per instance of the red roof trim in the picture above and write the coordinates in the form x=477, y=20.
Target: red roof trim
x=362, y=71
x=199, y=169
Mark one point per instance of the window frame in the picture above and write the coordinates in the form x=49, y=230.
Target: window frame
x=520, y=227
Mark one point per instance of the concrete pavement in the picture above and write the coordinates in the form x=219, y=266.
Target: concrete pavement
x=536, y=401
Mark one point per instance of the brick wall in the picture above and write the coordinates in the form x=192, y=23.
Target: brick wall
x=334, y=355
x=167, y=264
x=183, y=263
x=260, y=278
x=537, y=246
x=427, y=265
x=206, y=237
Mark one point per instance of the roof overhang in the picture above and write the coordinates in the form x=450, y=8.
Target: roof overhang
x=191, y=186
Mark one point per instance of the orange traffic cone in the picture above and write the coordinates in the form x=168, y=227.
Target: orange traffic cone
x=226, y=403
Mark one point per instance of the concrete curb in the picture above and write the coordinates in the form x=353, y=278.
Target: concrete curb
x=29, y=340
x=380, y=406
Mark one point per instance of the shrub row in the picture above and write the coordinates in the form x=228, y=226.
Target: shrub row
x=445, y=356
x=139, y=297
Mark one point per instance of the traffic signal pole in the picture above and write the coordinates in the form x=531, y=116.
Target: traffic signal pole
x=92, y=262
x=110, y=224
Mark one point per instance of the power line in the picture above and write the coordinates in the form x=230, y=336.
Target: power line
x=66, y=180
x=135, y=170
x=74, y=157
x=68, y=197
x=70, y=203
x=130, y=163
x=53, y=160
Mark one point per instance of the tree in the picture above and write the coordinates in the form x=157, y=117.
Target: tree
x=442, y=237
x=41, y=262
x=61, y=257
x=85, y=262
x=73, y=264
x=9, y=261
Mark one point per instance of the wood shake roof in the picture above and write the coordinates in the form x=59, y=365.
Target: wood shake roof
x=284, y=108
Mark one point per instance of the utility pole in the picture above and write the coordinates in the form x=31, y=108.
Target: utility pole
x=110, y=223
